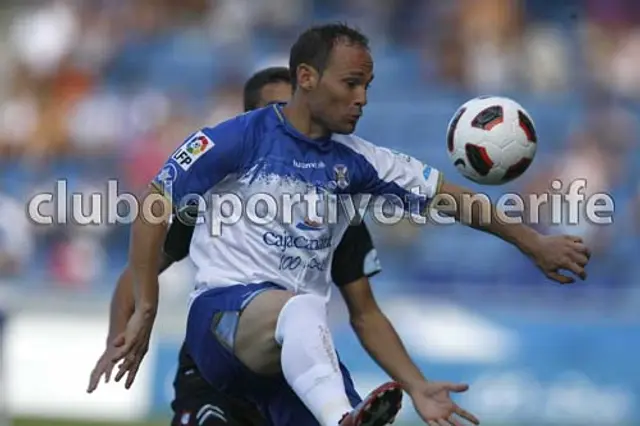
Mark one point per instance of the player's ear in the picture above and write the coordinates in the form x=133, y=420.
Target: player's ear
x=307, y=77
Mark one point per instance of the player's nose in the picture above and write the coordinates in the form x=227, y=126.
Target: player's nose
x=361, y=98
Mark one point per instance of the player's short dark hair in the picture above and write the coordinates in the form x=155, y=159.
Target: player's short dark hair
x=253, y=87
x=314, y=46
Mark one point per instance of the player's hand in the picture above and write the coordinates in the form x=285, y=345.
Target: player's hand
x=133, y=347
x=561, y=252
x=104, y=366
x=435, y=407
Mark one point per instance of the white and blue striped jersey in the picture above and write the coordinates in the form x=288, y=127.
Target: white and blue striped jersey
x=259, y=155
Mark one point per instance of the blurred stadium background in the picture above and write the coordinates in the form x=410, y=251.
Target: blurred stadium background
x=98, y=89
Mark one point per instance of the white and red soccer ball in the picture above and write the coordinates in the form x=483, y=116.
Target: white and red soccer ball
x=491, y=140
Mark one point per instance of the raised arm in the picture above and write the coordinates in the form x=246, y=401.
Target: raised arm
x=421, y=187
x=550, y=253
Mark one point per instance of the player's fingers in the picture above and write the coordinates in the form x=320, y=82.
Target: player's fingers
x=96, y=374
x=456, y=387
x=94, y=379
x=93, y=385
x=582, y=249
x=580, y=258
x=574, y=238
x=120, y=373
x=124, y=367
x=131, y=364
x=108, y=371
x=466, y=415
x=576, y=269
x=443, y=423
x=562, y=279
x=133, y=371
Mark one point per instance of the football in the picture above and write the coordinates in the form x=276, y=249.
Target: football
x=491, y=140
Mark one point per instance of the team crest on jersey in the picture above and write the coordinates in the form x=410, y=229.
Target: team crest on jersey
x=186, y=417
x=341, y=175
x=192, y=149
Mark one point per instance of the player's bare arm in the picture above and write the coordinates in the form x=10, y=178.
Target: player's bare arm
x=147, y=237
x=378, y=336
x=144, y=262
x=120, y=311
x=123, y=302
x=550, y=253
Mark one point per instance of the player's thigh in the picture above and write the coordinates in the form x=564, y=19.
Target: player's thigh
x=213, y=326
x=255, y=344
x=216, y=411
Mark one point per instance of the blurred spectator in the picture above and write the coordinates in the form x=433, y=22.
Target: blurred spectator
x=597, y=153
x=227, y=102
x=16, y=238
x=491, y=32
x=77, y=261
x=612, y=44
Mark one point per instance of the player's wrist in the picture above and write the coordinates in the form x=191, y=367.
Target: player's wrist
x=415, y=386
x=526, y=239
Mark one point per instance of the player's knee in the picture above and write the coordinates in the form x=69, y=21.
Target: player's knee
x=307, y=306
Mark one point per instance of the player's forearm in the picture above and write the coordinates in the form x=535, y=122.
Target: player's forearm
x=383, y=344
x=144, y=259
x=123, y=301
x=122, y=305
x=475, y=216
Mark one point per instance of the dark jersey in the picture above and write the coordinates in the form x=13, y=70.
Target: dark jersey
x=355, y=257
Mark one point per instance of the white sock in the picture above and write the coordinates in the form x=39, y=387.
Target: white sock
x=309, y=361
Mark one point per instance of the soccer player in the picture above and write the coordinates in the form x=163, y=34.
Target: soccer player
x=196, y=402
x=258, y=327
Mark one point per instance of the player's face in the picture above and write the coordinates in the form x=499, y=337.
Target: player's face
x=275, y=92
x=341, y=94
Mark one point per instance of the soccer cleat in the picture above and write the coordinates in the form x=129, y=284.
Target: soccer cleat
x=379, y=408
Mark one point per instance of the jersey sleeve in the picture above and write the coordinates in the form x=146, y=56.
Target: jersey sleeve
x=355, y=256
x=203, y=160
x=396, y=175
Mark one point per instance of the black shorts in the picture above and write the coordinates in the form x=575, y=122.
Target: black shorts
x=215, y=410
